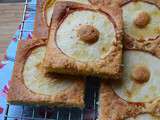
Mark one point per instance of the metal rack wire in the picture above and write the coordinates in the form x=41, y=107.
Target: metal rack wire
x=25, y=112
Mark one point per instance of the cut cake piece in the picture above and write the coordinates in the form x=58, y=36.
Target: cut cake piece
x=29, y=84
x=79, y=43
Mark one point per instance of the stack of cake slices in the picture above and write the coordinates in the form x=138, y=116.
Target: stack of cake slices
x=115, y=40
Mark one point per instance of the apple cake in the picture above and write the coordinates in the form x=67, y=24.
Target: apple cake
x=30, y=85
x=85, y=40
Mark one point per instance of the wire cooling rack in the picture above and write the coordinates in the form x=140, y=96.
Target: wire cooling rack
x=25, y=112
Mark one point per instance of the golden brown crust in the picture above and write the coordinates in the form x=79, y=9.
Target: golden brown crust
x=56, y=61
x=40, y=25
x=20, y=94
x=112, y=107
x=105, y=2
x=152, y=46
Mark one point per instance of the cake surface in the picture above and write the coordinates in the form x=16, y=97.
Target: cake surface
x=29, y=84
x=144, y=22
x=43, y=17
x=113, y=107
x=78, y=41
x=49, y=6
x=142, y=29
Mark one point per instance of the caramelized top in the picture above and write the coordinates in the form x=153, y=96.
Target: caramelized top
x=140, y=74
x=142, y=20
x=88, y=34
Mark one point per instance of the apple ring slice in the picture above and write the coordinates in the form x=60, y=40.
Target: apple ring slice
x=141, y=78
x=142, y=25
x=141, y=20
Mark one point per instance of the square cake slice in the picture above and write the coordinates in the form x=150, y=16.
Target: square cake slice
x=136, y=96
x=29, y=84
x=85, y=40
x=113, y=107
